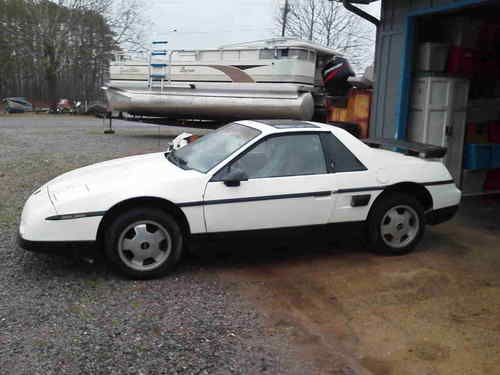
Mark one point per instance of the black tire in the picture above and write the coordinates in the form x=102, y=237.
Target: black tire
x=381, y=243
x=117, y=232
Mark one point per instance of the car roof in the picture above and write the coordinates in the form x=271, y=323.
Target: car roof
x=266, y=127
x=285, y=126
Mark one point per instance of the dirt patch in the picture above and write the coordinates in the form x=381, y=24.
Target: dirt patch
x=434, y=311
x=429, y=351
x=377, y=366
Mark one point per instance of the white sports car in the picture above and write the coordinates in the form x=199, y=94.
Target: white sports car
x=246, y=176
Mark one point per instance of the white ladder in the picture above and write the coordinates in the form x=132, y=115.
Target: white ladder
x=157, y=69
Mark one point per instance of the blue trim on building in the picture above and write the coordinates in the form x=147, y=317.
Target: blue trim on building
x=447, y=7
x=402, y=111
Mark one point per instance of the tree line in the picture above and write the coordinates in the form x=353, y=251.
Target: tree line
x=50, y=50
x=330, y=24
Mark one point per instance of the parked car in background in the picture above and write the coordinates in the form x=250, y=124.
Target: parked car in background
x=17, y=105
x=65, y=106
x=246, y=176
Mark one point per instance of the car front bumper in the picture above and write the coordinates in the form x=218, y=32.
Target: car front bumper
x=35, y=225
x=440, y=215
x=75, y=248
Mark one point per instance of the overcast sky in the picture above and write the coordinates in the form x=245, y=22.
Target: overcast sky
x=211, y=23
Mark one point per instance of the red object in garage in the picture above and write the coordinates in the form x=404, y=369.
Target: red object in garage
x=494, y=132
x=489, y=37
x=492, y=180
x=462, y=61
x=477, y=133
x=490, y=68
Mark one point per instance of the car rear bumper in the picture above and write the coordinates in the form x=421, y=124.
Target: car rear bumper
x=58, y=247
x=440, y=215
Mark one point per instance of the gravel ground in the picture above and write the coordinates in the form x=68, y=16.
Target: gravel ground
x=62, y=315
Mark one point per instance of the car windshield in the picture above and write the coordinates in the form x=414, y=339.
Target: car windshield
x=208, y=151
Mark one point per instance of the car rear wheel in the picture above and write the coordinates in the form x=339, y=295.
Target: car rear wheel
x=144, y=243
x=396, y=224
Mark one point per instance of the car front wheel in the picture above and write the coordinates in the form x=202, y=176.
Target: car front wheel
x=396, y=224
x=144, y=243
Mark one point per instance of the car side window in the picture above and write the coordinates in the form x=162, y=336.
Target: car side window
x=284, y=155
x=340, y=159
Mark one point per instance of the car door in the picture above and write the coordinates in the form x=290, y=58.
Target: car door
x=351, y=198
x=287, y=184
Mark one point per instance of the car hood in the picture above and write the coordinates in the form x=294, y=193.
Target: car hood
x=112, y=175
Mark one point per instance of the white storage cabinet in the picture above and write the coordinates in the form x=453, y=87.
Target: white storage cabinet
x=437, y=116
x=432, y=57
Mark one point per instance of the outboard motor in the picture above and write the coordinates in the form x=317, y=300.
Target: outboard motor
x=335, y=75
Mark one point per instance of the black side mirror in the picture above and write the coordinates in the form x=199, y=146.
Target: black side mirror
x=234, y=177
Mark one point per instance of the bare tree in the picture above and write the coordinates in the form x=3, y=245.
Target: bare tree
x=330, y=24
x=124, y=17
x=51, y=49
x=62, y=48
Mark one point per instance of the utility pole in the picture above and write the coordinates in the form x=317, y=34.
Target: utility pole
x=286, y=9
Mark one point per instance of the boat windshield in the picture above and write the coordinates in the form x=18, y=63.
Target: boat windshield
x=208, y=151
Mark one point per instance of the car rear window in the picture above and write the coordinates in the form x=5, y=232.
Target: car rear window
x=340, y=159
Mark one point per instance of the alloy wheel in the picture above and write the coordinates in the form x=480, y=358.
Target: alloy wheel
x=399, y=226
x=144, y=245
